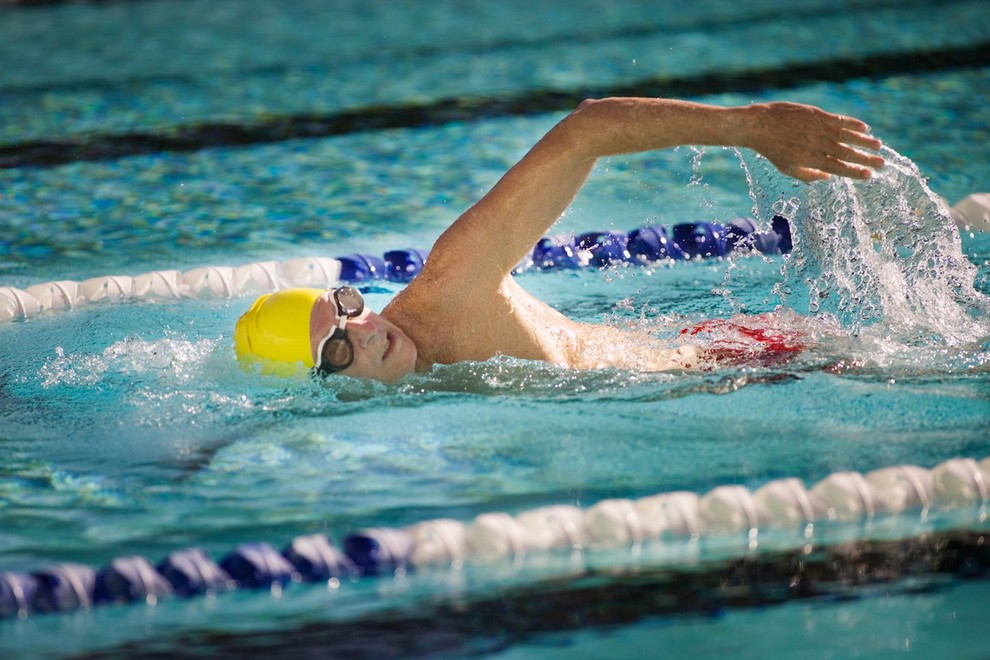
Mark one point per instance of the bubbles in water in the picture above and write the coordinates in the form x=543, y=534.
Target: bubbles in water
x=178, y=358
x=698, y=155
x=72, y=370
x=149, y=384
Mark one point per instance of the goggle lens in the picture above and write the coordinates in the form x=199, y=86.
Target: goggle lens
x=349, y=301
x=336, y=351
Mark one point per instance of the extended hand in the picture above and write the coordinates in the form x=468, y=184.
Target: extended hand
x=810, y=144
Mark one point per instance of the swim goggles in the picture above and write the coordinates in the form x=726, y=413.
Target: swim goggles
x=335, y=351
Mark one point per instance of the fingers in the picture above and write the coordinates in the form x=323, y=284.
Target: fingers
x=843, y=158
x=854, y=165
x=859, y=139
x=808, y=174
x=852, y=124
x=851, y=131
x=847, y=169
x=810, y=144
x=829, y=165
x=846, y=153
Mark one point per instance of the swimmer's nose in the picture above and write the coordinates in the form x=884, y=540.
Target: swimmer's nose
x=364, y=329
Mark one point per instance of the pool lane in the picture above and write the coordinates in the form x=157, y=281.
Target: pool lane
x=197, y=136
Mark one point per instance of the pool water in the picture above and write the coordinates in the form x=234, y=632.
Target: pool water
x=130, y=429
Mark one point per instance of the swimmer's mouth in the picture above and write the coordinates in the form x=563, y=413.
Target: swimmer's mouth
x=388, y=346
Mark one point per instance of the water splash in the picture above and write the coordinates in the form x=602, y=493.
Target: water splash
x=135, y=383
x=882, y=256
x=180, y=359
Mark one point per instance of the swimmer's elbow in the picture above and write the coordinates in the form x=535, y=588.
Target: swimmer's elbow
x=591, y=110
x=586, y=104
x=585, y=131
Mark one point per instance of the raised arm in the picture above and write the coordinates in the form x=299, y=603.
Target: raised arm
x=491, y=237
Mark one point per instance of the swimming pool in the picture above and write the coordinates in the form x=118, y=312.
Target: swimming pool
x=331, y=128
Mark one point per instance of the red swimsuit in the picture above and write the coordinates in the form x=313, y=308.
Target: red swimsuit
x=734, y=341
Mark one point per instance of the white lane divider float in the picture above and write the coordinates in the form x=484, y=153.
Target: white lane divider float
x=724, y=511
x=204, y=283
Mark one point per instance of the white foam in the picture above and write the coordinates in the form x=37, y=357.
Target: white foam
x=880, y=252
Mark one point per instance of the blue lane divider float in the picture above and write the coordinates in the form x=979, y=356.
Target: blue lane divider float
x=397, y=265
x=600, y=249
x=192, y=573
x=255, y=565
x=129, y=580
x=316, y=558
x=652, y=243
x=379, y=550
x=65, y=587
x=725, y=511
x=18, y=595
x=356, y=268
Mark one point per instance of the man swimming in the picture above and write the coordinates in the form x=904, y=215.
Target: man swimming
x=465, y=305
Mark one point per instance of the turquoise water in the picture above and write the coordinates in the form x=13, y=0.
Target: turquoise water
x=129, y=428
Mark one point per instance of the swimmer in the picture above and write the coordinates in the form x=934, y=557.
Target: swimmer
x=465, y=305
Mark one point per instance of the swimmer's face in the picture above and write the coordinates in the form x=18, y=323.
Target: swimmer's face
x=381, y=350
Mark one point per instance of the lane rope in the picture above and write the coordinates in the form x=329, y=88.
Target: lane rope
x=596, y=249
x=680, y=517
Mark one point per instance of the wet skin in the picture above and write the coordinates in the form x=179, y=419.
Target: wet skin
x=465, y=305
x=381, y=349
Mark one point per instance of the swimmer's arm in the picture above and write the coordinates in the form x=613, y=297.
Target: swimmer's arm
x=491, y=237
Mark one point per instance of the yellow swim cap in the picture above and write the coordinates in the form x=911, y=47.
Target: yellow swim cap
x=276, y=330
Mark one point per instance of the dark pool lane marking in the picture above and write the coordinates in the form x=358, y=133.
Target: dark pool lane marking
x=588, y=34
x=466, y=626
x=268, y=129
